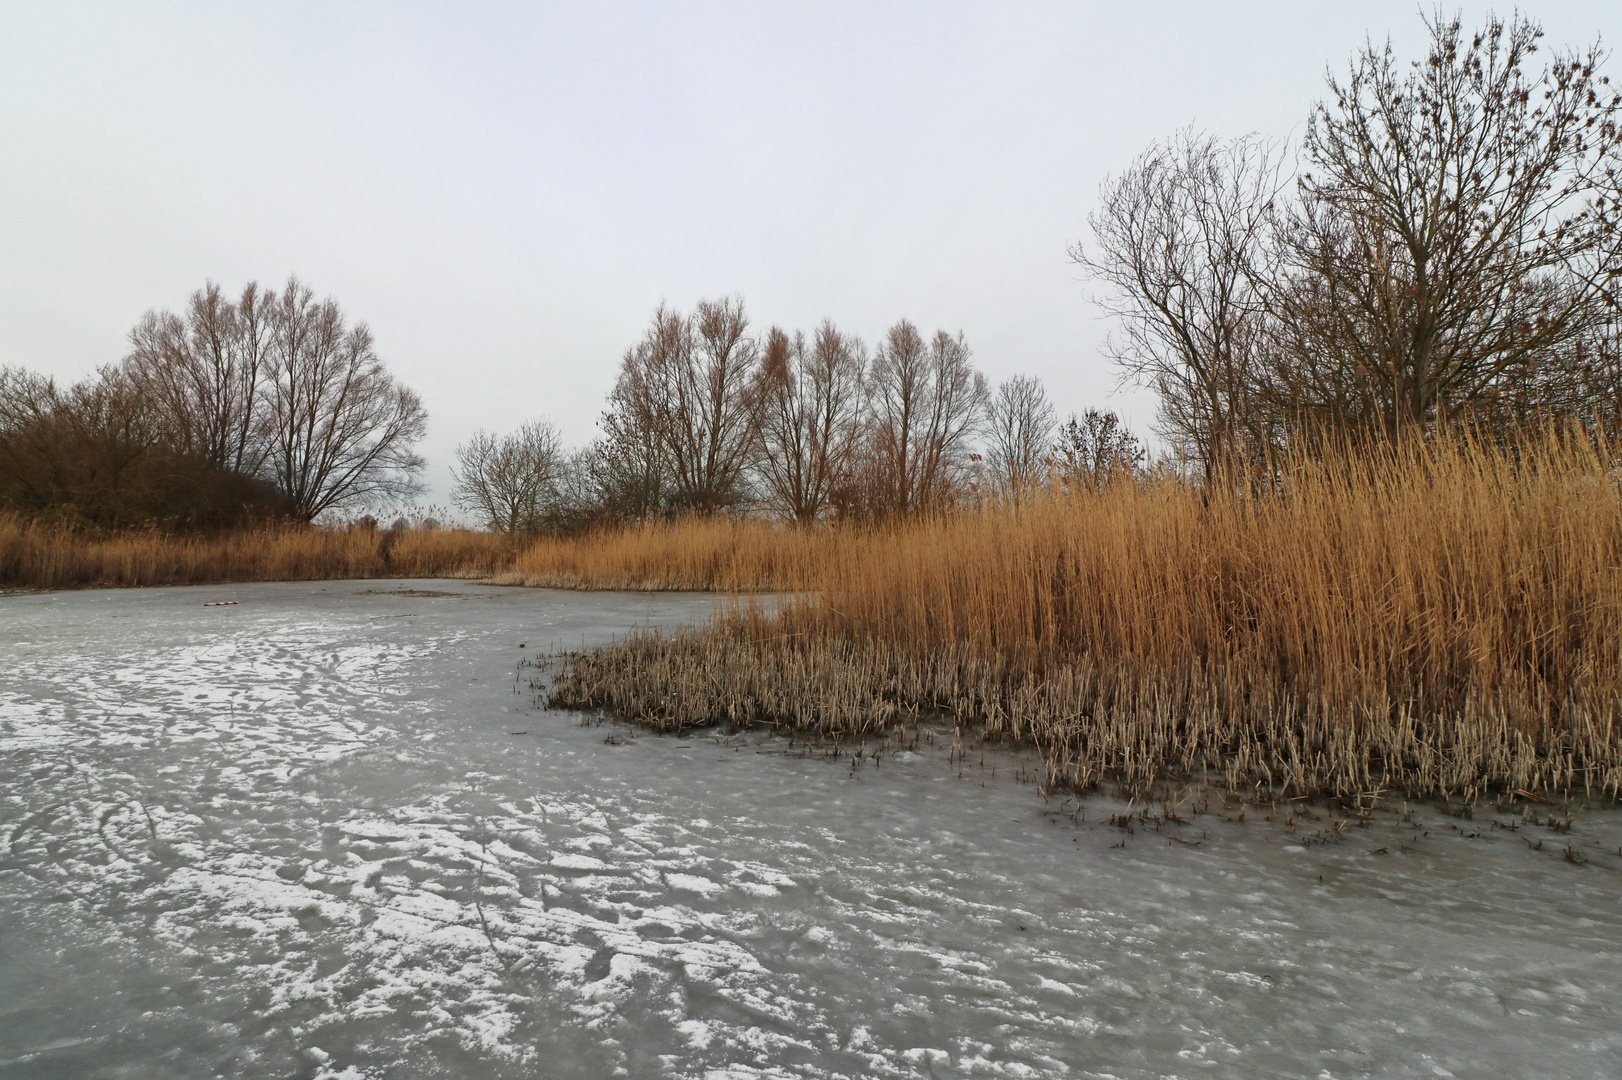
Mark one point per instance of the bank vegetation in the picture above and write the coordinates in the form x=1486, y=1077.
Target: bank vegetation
x=1437, y=619
x=1383, y=555
x=38, y=554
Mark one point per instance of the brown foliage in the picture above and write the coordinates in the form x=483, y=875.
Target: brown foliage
x=98, y=454
x=687, y=554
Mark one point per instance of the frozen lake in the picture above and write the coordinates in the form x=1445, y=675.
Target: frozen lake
x=323, y=833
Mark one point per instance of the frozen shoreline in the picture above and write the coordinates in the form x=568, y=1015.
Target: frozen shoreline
x=323, y=832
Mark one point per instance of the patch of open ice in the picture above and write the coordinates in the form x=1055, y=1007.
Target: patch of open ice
x=301, y=828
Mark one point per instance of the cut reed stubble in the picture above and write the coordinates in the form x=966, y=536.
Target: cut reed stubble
x=1120, y=722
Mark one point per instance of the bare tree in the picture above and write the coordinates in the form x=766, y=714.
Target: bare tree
x=265, y=406
x=688, y=389
x=510, y=482
x=340, y=429
x=1019, y=436
x=202, y=372
x=1459, y=227
x=625, y=474
x=1181, y=243
x=714, y=444
x=582, y=499
x=927, y=403
x=1093, y=450
x=811, y=399
x=628, y=464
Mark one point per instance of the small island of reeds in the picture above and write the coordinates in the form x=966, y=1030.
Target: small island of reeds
x=1443, y=619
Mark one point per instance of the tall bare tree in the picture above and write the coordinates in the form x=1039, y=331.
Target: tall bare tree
x=689, y=390
x=1181, y=242
x=1019, y=436
x=203, y=372
x=811, y=399
x=1460, y=227
x=628, y=464
x=510, y=482
x=340, y=429
x=927, y=404
x=624, y=473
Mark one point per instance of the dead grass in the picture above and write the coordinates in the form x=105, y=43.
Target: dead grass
x=39, y=556
x=1446, y=620
x=699, y=554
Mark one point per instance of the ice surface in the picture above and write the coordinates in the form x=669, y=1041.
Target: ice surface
x=324, y=834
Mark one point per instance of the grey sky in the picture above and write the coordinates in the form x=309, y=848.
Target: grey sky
x=504, y=192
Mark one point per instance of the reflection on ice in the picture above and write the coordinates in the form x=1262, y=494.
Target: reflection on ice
x=308, y=835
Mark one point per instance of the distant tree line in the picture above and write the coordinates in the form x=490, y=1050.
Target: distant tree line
x=708, y=416
x=275, y=406
x=1449, y=252
x=1445, y=252
x=272, y=405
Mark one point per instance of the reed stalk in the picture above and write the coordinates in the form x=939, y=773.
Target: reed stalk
x=1444, y=619
x=41, y=556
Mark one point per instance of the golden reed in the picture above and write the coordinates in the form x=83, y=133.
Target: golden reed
x=701, y=554
x=41, y=556
x=1440, y=619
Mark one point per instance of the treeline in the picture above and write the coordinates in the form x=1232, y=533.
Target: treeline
x=272, y=406
x=709, y=416
x=1445, y=252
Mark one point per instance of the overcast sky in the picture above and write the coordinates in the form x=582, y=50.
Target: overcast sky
x=505, y=192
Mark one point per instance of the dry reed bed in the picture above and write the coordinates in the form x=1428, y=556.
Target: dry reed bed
x=1444, y=620
x=688, y=554
x=694, y=554
x=41, y=556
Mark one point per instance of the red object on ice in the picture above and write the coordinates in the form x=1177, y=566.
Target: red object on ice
x=222, y=603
